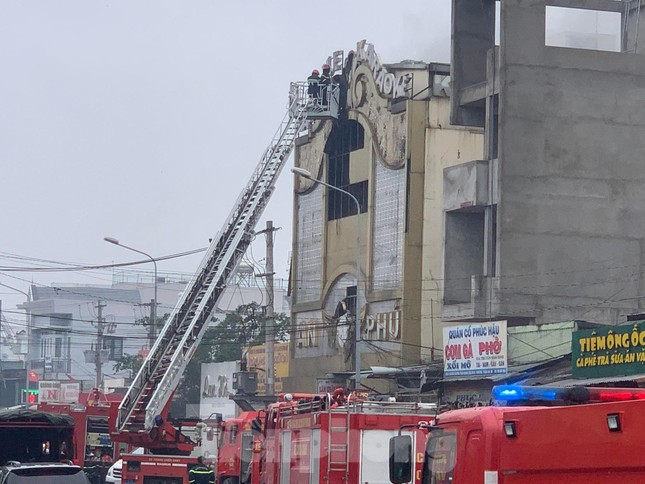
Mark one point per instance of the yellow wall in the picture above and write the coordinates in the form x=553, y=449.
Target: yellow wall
x=446, y=146
x=421, y=138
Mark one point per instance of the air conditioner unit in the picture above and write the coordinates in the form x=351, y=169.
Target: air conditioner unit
x=245, y=382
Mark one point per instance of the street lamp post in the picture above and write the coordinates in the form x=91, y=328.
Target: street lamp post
x=153, y=308
x=357, y=320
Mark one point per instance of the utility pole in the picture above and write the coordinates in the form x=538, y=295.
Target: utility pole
x=99, y=344
x=27, y=307
x=269, y=326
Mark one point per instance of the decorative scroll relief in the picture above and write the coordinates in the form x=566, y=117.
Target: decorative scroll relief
x=308, y=284
x=389, y=131
x=391, y=136
x=389, y=204
x=311, y=155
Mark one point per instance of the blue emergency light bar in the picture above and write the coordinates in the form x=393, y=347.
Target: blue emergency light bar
x=513, y=393
x=518, y=393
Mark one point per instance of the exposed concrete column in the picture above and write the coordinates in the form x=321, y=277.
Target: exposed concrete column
x=473, y=34
x=522, y=30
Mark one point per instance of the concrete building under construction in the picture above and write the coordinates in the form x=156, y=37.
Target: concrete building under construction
x=548, y=224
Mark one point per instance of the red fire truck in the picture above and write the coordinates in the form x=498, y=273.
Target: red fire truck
x=35, y=436
x=592, y=435
x=172, y=449
x=142, y=417
x=310, y=438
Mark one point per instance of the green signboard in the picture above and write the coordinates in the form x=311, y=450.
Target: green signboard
x=609, y=351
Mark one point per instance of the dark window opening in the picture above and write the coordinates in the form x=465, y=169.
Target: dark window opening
x=494, y=128
x=344, y=138
x=493, y=243
x=340, y=205
x=464, y=254
x=350, y=297
x=60, y=319
x=338, y=170
x=115, y=345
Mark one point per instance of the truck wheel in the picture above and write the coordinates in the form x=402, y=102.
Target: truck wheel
x=230, y=480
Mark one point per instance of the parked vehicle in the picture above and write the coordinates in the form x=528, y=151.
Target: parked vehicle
x=35, y=436
x=41, y=473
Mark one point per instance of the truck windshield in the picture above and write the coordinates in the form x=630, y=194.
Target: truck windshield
x=439, y=461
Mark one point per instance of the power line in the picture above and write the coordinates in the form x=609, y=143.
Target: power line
x=72, y=267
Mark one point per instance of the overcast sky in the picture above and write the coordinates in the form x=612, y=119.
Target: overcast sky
x=143, y=120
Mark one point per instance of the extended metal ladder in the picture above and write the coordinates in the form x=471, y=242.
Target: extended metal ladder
x=160, y=374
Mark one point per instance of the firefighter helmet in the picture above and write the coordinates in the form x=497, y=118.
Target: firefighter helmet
x=315, y=72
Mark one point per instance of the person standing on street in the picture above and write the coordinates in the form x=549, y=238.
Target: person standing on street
x=200, y=474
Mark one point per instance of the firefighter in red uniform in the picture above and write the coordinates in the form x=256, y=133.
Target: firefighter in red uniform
x=339, y=398
x=200, y=474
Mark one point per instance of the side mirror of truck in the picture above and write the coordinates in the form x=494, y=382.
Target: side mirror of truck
x=400, y=459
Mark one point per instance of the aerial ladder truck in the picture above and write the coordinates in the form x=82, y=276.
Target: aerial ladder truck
x=141, y=419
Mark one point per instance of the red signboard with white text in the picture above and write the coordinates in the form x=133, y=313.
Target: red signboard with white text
x=49, y=391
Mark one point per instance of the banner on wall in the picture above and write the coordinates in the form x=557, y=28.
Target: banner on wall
x=256, y=360
x=327, y=385
x=49, y=391
x=69, y=392
x=475, y=349
x=609, y=351
x=216, y=387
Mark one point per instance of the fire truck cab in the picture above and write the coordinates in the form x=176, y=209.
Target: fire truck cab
x=235, y=449
x=592, y=436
